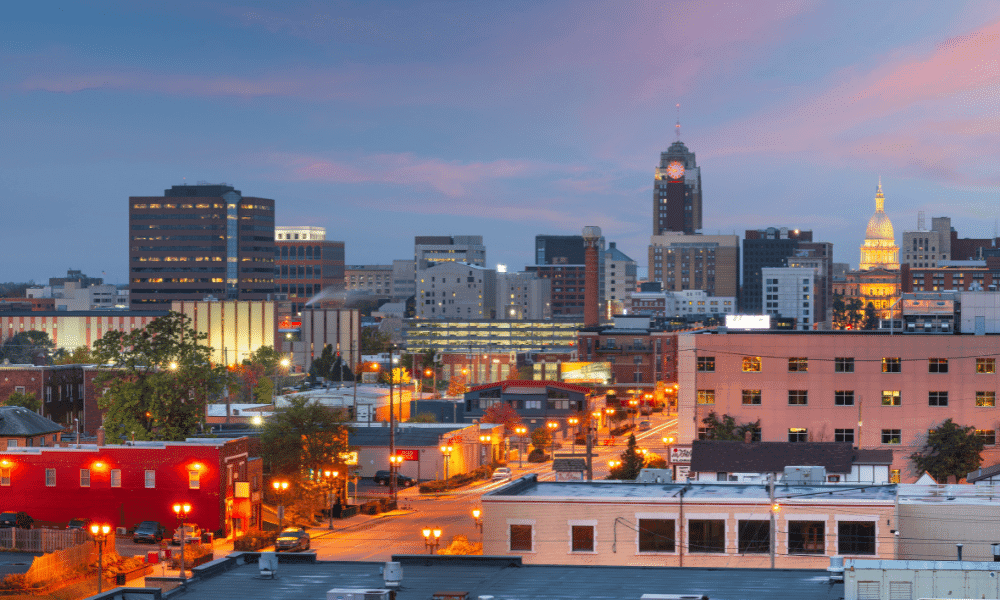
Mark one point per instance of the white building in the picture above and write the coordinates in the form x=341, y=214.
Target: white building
x=523, y=296
x=679, y=304
x=980, y=312
x=71, y=296
x=923, y=248
x=789, y=292
x=619, y=280
x=299, y=233
x=453, y=290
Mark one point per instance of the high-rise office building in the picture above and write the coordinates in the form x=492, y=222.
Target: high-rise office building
x=200, y=241
x=695, y=262
x=619, y=281
x=762, y=248
x=677, y=192
x=561, y=259
x=429, y=250
x=306, y=264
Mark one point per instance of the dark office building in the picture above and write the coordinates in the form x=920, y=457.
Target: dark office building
x=306, y=263
x=561, y=258
x=199, y=241
x=769, y=247
x=677, y=191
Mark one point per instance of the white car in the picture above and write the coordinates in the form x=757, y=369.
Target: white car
x=502, y=473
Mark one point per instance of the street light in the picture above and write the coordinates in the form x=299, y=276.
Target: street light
x=633, y=403
x=597, y=428
x=477, y=514
x=395, y=462
x=100, y=533
x=432, y=537
x=284, y=362
x=484, y=440
x=280, y=487
x=181, y=511
x=446, y=450
x=553, y=425
x=520, y=430
x=574, y=421
x=613, y=464
x=331, y=478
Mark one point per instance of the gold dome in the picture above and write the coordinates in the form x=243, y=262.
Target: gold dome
x=880, y=249
x=879, y=226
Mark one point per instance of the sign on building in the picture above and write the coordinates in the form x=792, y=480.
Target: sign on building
x=748, y=321
x=680, y=454
x=408, y=454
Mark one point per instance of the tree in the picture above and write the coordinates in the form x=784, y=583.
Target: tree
x=847, y=313
x=951, y=449
x=25, y=347
x=159, y=379
x=456, y=385
x=503, y=414
x=321, y=366
x=26, y=400
x=374, y=341
x=727, y=429
x=81, y=355
x=424, y=417
x=871, y=317
x=400, y=376
x=541, y=439
x=303, y=437
x=632, y=462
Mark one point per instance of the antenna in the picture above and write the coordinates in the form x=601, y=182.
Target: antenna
x=677, y=127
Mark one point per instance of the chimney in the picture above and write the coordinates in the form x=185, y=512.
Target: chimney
x=747, y=437
x=591, y=310
x=100, y=436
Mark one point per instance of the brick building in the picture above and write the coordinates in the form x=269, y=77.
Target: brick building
x=59, y=388
x=22, y=428
x=306, y=263
x=640, y=356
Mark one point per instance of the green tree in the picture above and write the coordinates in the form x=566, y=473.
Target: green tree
x=951, y=449
x=424, y=417
x=26, y=400
x=321, y=366
x=727, y=429
x=374, y=341
x=159, y=379
x=541, y=439
x=303, y=437
x=81, y=355
x=263, y=392
x=870, y=317
x=503, y=414
x=632, y=462
x=25, y=347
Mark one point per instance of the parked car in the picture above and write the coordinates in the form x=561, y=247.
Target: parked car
x=149, y=531
x=502, y=473
x=192, y=534
x=82, y=524
x=645, y=425
x=292, y=538
x=20, y=519
x=382, y=478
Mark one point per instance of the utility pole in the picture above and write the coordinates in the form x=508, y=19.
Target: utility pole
x=392, y=428
x=354, y=362
x=774, y=517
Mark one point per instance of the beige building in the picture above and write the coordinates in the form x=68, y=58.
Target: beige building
x=523, y=296
x=455, y=290
x=235, y=328
x=695, y=262
x=924, y=248
x=699, y=524
x=371, y=279
x=933, y=518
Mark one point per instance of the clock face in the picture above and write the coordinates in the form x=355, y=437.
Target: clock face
x=675, y=170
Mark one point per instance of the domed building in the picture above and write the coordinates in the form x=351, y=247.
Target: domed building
x=880, y=249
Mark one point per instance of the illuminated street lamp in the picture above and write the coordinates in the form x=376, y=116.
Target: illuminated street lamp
x=279, y=488
x=432, y=537
x=100, y=533
x=485, y=440
x=633, y=403
x=331, y=478
x=597, y=426
x=613, y=464
x=553, y=425
x=181, y=511
x=446, y=451
x=395, y=462
x=477, y=515
x=173, y=365
x=520, y=430
x=574, y=421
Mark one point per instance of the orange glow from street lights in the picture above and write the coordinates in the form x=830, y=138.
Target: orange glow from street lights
x=476, y=512
x=180, y=509
x=280, y=485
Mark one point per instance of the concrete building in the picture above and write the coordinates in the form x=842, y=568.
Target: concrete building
x=696, y=262
x=450, y=290
x=337, y=327
x=490, y=336
x=72, y=296
x=429, y=250
x=924, y=248
x=70, y=330
x=790, y=293
x=375, y=280
x=562, y=259
x=403, y=280
x=687, y=303
x=770, y=247
x=619, y=281
x=980, y=312
x=307, y=266
x=235, y=328
x=200, y=241
x=522, y=296
x=677, y=191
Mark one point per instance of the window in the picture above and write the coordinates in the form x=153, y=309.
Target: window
x=986, y=398
x=754, y=537
x=150, y=479
x=706, y=535
x=11, y=444
x=891, y=365
x=798, y=434
x=116, y=478
x=751, y=364
x=843, y=398
x=937, y=398
x=798, y=397
x=892, y=436
x=520, y=537
x=50, y=478
x=798, y=365
x=855, y=537
x=986, y=365
x=751, y=396
x=583, y=538
x=703, y=433
x=194, y=480
x=706, y=396
x=5, y=476
x=806, y=537
x=989, y=436
x=843, y=365
x=705, y=364
x=843, y=435
x=891, y=398
x=937, y=365
x=84, y=477
x=894, y=476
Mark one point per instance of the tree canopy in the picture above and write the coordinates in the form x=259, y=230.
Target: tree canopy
x=24, y=347
x=848, y=313
x=727, y=429
x=81, y=355
x=503, y=414
x=303, y=437
x=951, y=449
x=632, y=462
x=26, y=400
x=374, y=341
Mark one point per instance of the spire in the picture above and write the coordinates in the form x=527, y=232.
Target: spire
x=879, y=197
x=677, y=127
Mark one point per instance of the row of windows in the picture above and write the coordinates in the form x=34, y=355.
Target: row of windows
x=752, y=364
x=984, y=399
x=708, y=536
x=115, y=478
x=889, y=436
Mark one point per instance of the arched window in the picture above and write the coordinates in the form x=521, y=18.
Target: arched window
x=284, y=252
x=309, y=252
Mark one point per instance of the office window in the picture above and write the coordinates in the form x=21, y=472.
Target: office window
x=798, y=365
x=194, y=480
x=706, y=535
x=706, y=396
x=989, y=436
x=843, y=435
x=84, y=477
x=583, y=538
x=937, y=365
x=751, y=396
x=705, y=364
x=986, y=398
x=150, y=479
x=855, y=537
x=891, y=398
x=798, y=434
x=892, y=436
x=50, y=478
x=986, y=365
x=5, y=476
x=798, y=397
x=843, y=365
x=754, y=537
x=520, y=537
x=116, y=478
x=937, y=398
x=843, y=398
x=892, y=365
x=806, y=537
x=751, y=364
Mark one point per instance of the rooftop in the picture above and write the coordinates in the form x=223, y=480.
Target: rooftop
x=773, y=457
x=21, y=422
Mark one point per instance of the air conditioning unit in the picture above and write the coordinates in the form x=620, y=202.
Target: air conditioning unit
x=674, y=597
x=356, y=594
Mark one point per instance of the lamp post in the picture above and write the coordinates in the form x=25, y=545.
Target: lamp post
x=608, y=412
x=331, y=478
x=484, y=440
x=668, y=441
x=446, y=451
x=520, y=430
x=432, y=538
x=283, y=363
x=574, y=421
x=477, y=515
x=633, y=404
x=612, y=465
x=553, y=426
x=596, y=415
x=100, y=533
x=280, y=487
x=181, y=511
x=395, y=461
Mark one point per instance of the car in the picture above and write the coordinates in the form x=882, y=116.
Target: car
x=292, y=538
x=149, y=531
x=382, y=478
x=82, y=524
x=645, y=425
x=192, y=534
x=502, y=473
x=8, y=520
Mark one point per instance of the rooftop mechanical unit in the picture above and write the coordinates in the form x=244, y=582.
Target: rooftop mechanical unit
x=357, y=594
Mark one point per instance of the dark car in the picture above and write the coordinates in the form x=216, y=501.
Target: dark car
x=382, y=478
x=149, y=531
x=292, y=538
x=10, y=519
x=83, y=524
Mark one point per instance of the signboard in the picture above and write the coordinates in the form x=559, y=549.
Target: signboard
x=349, y=458
x=680, y=454
x=408, y=454
x=364, y=413
x=586, y=372
x=748, y=321
x=681, y=472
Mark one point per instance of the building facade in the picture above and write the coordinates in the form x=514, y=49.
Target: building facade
x=523, y=295
x=375, y=280
x=562, y=259
x=677, y=192
x=619, y=281
x=689, y=303
x=200, y=241
x=640, y=356
x=306, y=265
x=455, y=290
x=429, y=250
x=770, y=247
x=235, y=329
x=879, y=250
x=71, y=330
x=790, y=293
x=696, y=262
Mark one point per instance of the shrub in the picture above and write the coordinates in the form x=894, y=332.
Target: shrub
x=254, y=540
x=537, y=455
x=192, y=554
x=14, y=581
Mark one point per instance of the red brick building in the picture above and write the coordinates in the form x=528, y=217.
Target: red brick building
x=639, y=356
x=59, y=387
x=955, y=276
x=23, y=428
x=305, y=263
x=126, y=484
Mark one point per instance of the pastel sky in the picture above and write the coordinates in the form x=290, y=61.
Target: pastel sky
x=385, y=120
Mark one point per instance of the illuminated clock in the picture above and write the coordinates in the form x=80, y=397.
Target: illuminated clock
x=675, y=170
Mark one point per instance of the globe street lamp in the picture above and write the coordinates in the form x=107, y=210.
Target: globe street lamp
x=395, y=461
x=181, y=511
x=484, y=440
x=279, y=488
x=284, y=362
x=477, y=515
x=574, y=421
x=100, y=533
x=609, y=411
x=633, y=404
x=520, y=430
x=612, y=465
x=331, y=479
x=446, y=451
x=597, y=427
x=553, y=426
x=432, y=537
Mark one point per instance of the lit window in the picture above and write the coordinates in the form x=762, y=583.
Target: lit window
x=50, y=478
x=986, y=365
x=706, y=396
x=706, y=364
x=194, y=480
x=798, y=434
x=989, y=436
x=5, y=476
x=751, y=396
x=751, y=364
x=891, y=398
x=891, y=365
x=798, y=365
x=986, y=398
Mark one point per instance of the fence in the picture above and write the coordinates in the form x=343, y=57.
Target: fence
x=59, y=564
x=41, y=540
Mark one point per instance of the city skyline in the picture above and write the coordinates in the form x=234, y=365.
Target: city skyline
x=420, y=118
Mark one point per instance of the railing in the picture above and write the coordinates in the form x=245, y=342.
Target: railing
x=41, y=540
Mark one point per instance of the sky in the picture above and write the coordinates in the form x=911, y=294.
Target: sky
x=382, y=121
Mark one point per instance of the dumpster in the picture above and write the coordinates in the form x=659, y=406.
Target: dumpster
x=152, y=557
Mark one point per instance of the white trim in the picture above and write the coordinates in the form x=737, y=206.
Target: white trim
x=672, y=516
x=580, y=523
x=534, y=529
x=858, y=518
x=803, y=517
x=726, y=537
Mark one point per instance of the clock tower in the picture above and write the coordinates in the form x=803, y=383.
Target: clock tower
x=677, y=192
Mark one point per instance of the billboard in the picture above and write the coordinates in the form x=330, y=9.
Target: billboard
x=408, y=454
x=748, y=321
x=586, y=372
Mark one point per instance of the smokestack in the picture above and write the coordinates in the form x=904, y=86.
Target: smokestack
x=100, y=436
x=591, y=310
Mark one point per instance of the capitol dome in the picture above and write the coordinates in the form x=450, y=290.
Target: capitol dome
x=880, y=249
x=879, y=226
